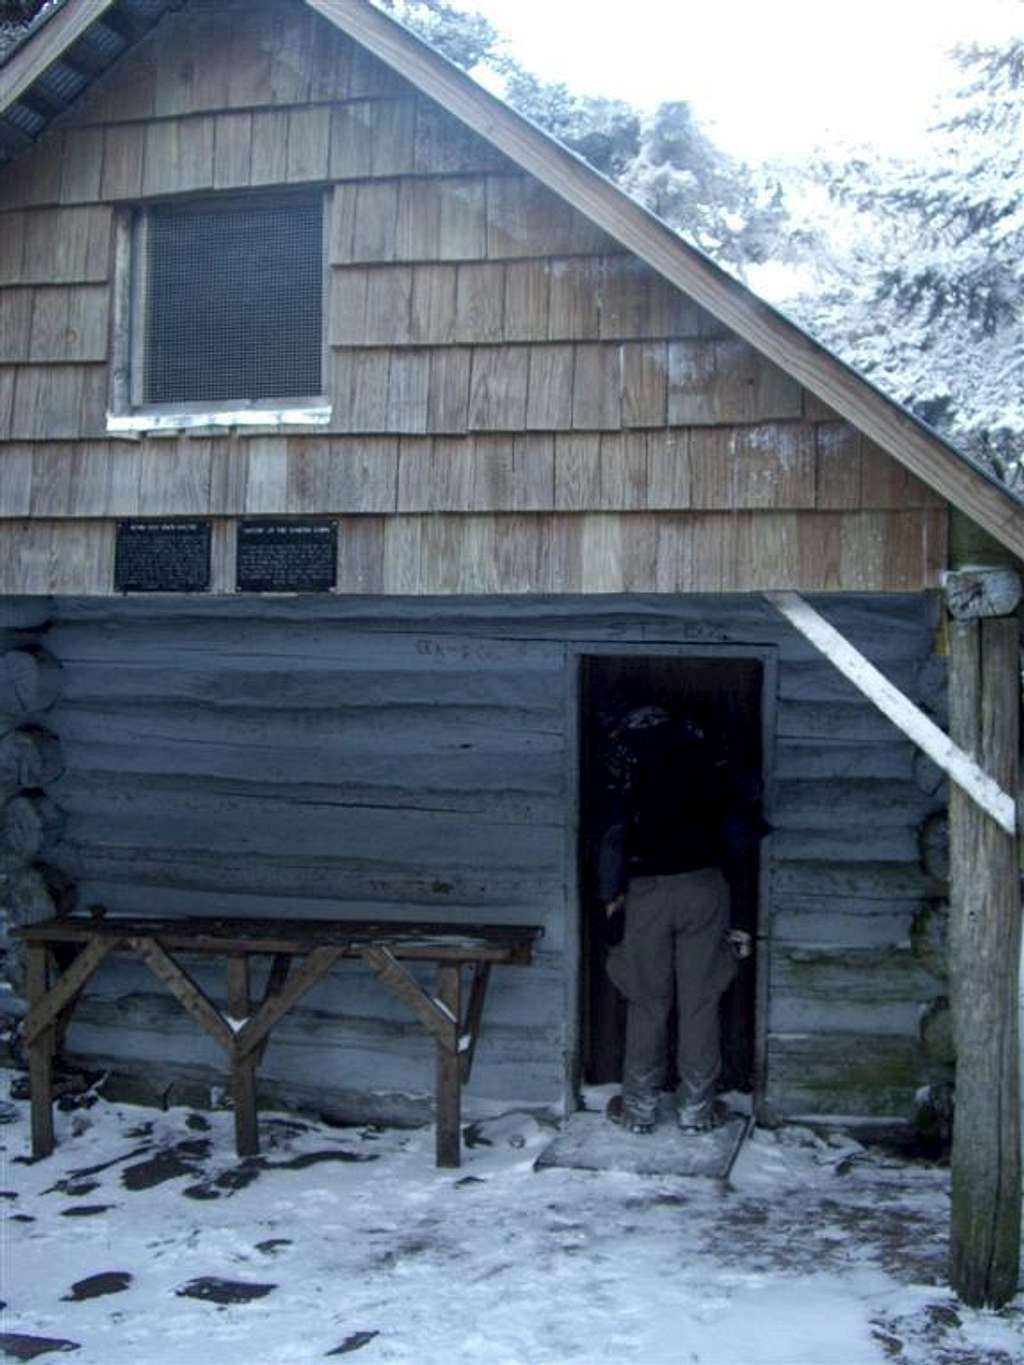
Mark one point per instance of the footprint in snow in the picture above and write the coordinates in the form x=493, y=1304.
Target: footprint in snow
x=212, y=1289
x=107, y=1282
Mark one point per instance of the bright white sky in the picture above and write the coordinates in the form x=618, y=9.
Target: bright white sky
x=768, y=77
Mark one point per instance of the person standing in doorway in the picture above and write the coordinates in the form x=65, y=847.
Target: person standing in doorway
x=665, y=906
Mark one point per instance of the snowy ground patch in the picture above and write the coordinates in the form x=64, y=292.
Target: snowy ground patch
x=145, y=1241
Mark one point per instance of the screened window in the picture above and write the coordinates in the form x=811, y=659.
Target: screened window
x=229, y=299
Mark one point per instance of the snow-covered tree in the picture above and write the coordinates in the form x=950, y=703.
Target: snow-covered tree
x=927, y=294
x=665, y=160
x=466, y=38
x=734, y=212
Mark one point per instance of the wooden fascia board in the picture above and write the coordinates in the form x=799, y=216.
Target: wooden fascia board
x=46, y=46
x=834, y=382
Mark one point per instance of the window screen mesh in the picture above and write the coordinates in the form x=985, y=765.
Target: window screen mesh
x=233, y=300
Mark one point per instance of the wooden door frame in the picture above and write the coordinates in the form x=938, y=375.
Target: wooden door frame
x=576, y=652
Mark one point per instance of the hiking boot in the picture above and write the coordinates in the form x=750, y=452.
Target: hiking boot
x=700, y=1117
x=616, y=1112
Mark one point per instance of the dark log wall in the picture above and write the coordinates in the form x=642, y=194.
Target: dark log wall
x=416, y=757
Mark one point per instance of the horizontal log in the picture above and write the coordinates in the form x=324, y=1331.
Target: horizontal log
x=883, y=1018
x=336, y=884
x=498, y=788
x=856, y=976
x=848, y=802
x=515, y=1064
x=867, y=880
x=214, y=825
x=842, y=922
x=223, y=639
x=855, y=1073
x=227, y=683
x=810, y=759
x=414, y=728
x=522, y=903
x=25, y=613
x=834, y=720
x=861, y=843
x=816, y=680
x=887, y=627
x=145, y=1016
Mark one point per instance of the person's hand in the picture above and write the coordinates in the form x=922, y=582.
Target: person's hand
x=741, y=943
x=612, y=907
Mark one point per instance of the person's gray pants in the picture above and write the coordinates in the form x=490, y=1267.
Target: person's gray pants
x=674, y=947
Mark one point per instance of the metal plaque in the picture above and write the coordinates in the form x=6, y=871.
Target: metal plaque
x=287, y=556
x=162, y=556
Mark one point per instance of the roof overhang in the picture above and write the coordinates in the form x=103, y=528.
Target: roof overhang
x=59, y=60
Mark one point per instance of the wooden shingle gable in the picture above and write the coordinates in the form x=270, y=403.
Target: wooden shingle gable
x=533, y=338
x=888, y=424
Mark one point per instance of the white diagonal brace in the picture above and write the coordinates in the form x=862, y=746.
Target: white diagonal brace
x=954, y=762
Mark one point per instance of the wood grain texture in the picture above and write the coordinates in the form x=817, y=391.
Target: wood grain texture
x=984, y=953
x=556, y=299
x=308, y=144
x=470, y=300
x=12, y=247
x=498, y=388
x=549, y=388
x=82, y=166
x=30, y=181
x=442, y=219
x=373, y=138
x=524, y=218
x=432, y=310
x=232, y=151
x=444, y=145
x=67, y=246
x=779, y=543
x=609, y=211
x=123, y=146
x=269, y=147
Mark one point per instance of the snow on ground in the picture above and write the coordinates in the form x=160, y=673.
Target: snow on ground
x=144, y=1240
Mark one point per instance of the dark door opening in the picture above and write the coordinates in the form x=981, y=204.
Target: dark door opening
x=723, y=696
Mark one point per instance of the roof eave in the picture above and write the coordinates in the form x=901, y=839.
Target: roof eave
x=31, y=58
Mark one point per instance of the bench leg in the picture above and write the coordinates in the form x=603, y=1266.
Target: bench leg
x=449, y=1070
x=247, y=1141
x=243, y=1069
x=40, y=1055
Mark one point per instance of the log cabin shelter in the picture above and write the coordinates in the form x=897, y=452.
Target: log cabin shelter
x=363, y=452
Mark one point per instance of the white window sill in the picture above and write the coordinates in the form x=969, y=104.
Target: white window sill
x=143, y=423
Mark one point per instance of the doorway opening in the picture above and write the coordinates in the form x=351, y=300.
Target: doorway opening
x=723, y=697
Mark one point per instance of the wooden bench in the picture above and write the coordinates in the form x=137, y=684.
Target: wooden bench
x=62, y=955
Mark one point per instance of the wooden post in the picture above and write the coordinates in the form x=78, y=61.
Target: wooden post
x=984, y=968
x=449, y=1070
x=40, y=1054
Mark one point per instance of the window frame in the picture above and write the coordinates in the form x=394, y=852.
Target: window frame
x=127, y=413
